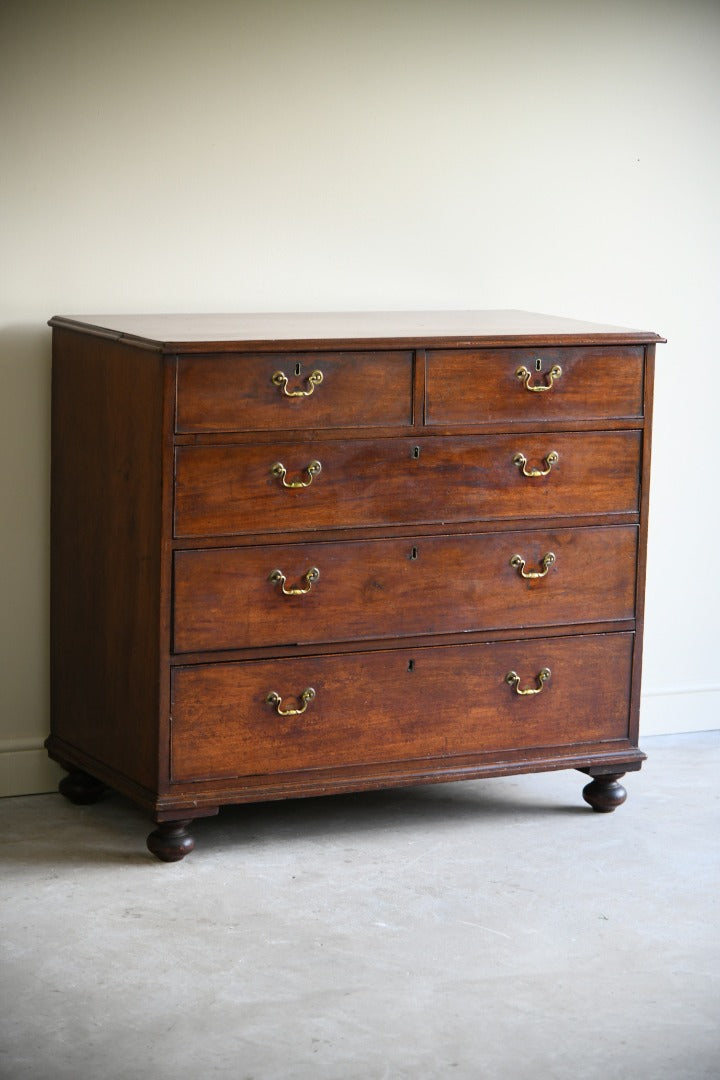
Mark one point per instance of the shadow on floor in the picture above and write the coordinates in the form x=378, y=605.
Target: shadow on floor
x=114, y=829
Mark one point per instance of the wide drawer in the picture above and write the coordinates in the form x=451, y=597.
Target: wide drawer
x=282, y=391
x=239, y=489
x=397, y=705
x=231, y=598
x=547, y=384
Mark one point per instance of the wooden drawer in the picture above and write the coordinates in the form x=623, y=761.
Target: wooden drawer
x=397, y=705
x=238, y=392
x=224, y=598
x=480, y=386
x=231, y=490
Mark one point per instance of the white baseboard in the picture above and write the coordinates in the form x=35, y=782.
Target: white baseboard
x=677, y=710
x=26, y=769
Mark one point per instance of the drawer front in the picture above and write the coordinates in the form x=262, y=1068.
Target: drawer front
x=354, y=590
x=282, y=391
x=233, y=490
x=482, y=386
x=396, y=706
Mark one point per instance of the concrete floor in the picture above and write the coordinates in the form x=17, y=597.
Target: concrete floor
x=491, y=929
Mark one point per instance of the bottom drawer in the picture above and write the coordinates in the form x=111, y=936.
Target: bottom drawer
x=391, y=706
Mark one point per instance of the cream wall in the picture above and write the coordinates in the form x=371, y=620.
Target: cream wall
x=179, y=156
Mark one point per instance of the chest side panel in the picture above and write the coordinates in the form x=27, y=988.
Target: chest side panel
x=106, y=607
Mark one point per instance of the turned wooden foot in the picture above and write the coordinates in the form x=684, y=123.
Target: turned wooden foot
x=604, y=793
x=81, y=788
x=171, y=841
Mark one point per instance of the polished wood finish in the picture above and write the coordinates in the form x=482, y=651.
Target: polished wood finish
x=397, y=706
x=230, y=490
x=224, y=597
x=604, y=794
x=347, y=329
x=477, y=386
x=237, y=393
x=169, y=633
x=106, y=552
x=171, y=841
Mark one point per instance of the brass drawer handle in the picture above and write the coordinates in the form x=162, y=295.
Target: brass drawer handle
x=546, y=562
x=275, y=700
x=513, y=679
x=279, y=470
x=525, y=376
x=278, y=578
x=314, y=379
x=521, y=461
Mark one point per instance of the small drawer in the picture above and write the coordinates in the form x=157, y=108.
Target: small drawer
x=283, y=391
x=233, y=598
x=482, y=386
x=276, y=716
x=241, y=489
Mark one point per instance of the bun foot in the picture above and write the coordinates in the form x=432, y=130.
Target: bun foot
x=171, y=841
x=604, y=793
x=81, y=788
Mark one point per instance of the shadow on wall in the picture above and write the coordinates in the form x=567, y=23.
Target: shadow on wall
x=25, y=369
x=25, y=366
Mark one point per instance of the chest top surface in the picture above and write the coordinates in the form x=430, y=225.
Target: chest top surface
x=224, y=332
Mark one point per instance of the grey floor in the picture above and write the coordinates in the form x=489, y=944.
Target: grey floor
x=492, y=929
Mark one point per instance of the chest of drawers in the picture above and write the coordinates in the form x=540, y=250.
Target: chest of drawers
x=304, y=554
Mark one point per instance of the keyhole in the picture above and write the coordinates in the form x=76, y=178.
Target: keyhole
x=416, y=452
x=411, y=665
x=413, y=553
x=298, y=368
x=538, y=364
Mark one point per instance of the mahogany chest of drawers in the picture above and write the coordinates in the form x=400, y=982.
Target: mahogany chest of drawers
x=303, y=554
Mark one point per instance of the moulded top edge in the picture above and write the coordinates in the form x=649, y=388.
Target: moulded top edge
x=172, y=333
